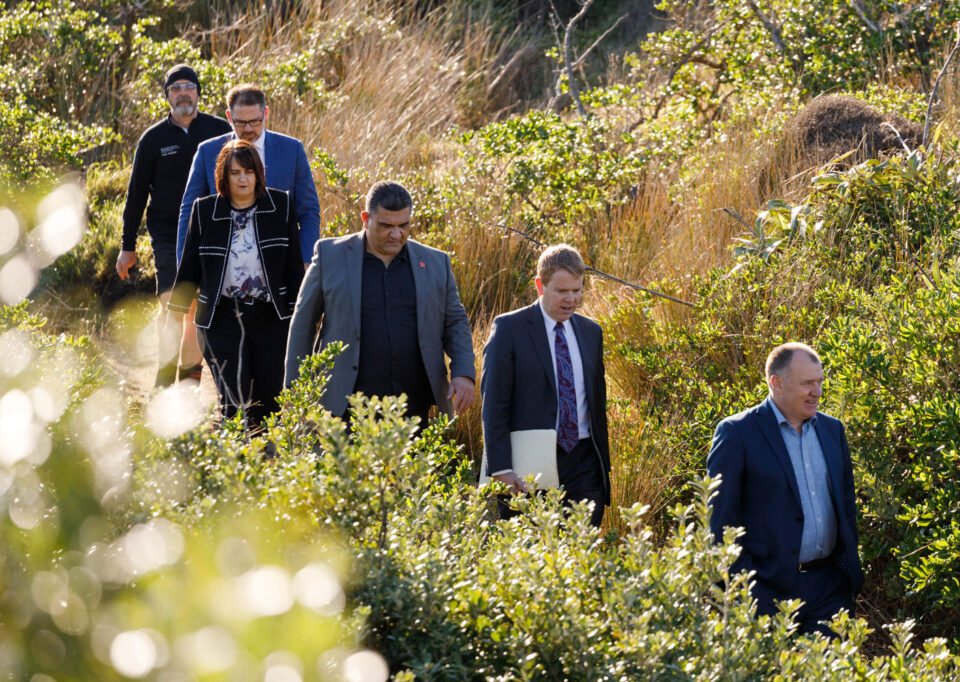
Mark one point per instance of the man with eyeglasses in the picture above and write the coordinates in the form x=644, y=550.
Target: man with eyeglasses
x=286, y=166
x=284, y=160
x=160, y=168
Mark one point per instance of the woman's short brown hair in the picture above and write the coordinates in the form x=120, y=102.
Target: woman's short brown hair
x=248, y=158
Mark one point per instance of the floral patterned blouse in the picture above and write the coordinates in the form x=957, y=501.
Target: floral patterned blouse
x=244, y=276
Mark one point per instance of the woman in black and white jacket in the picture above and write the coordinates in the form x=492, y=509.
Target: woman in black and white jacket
x=242, y=260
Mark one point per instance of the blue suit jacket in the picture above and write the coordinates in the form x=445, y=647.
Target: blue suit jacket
x=287, y=169
x=519, y=387
x=759, y=493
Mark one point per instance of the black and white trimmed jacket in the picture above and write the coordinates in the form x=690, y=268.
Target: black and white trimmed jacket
x=209, y=236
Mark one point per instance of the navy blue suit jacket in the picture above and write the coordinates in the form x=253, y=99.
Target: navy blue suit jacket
x=287, y=169
x=759, y=493
x=519, y=387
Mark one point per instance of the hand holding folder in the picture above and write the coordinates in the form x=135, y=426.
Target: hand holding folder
x=534, y=454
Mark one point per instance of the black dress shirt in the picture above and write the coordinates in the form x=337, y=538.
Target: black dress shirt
x=390, y=362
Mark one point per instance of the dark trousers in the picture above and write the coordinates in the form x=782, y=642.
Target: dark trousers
x=824, y=592
x=581, y=477
x=245, y=348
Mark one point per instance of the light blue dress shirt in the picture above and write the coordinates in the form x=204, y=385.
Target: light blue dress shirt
x=810, y=468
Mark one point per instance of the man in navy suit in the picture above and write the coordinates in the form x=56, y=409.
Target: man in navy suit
x=287, y=169
x=787, y=480
x=543, y=369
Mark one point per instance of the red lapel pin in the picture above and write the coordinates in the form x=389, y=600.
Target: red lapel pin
x=421, y=264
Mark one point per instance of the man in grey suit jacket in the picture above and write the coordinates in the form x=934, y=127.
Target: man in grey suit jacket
x=394, y=303
x=543, y=369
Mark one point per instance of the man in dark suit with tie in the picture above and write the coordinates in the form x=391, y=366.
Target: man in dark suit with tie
x=787, y=480
x=543, y=369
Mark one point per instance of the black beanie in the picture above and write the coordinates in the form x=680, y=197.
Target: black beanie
x=180, y=72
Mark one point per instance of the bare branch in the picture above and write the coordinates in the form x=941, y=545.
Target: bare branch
x=596, y=42
x=861, y=11
x=771, y=27
x=736, y=216
x=568, y=56
x=933, y=92
x=897, y=133
x=605, y=275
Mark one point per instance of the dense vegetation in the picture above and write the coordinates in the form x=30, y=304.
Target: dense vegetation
x=136, y=538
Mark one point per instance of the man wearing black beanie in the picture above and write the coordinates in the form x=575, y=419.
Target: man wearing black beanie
x=160, y=169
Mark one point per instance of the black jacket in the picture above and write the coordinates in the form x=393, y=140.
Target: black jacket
x=205, y=252
x=160, y=169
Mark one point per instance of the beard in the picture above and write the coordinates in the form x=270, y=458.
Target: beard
x=185, y=108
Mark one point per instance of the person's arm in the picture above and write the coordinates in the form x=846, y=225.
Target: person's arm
x=457, y=337
x=189, y=271
x=849, y=499
x=293, y=275
x=496, y=390
x=196, y=188
x=726, y=459
x=138, y=191
x=600, y=399
x=306, y=315
x=307, y=205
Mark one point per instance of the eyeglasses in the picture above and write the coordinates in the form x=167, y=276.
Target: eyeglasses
x=252, y=123
x=183, y=87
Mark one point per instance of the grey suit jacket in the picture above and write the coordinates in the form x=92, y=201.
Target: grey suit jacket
x=330, y=298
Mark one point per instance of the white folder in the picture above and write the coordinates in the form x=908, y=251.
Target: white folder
x=534, y=453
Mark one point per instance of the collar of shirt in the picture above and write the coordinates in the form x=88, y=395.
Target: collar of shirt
x=403, y=255
x=782, y=421
x=260, y=144
x=172, y=121
x=551, y=323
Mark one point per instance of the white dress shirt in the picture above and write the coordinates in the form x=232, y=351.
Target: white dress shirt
x=260, y=144
x=583, y=420
x=580, y=387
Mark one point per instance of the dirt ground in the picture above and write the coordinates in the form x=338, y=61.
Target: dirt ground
x=132, y=359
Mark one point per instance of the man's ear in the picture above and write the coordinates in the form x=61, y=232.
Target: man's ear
x=266, y=113
x=774, y=383
x=539, y=284
x=229, y=117
x=365, y=217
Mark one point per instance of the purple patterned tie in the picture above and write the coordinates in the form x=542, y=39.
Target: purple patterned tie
x=567, y=434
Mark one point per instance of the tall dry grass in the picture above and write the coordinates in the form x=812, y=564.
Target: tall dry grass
x=401, y=79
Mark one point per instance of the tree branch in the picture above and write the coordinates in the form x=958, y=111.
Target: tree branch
x=862, y=13
x=596, y=42
x=771, y=27
x=568, y=57
x=685, y=59
x=933, y=92
x=605, y=275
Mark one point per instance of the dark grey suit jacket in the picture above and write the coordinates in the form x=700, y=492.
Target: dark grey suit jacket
x=330, y=298
x=519, y=386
